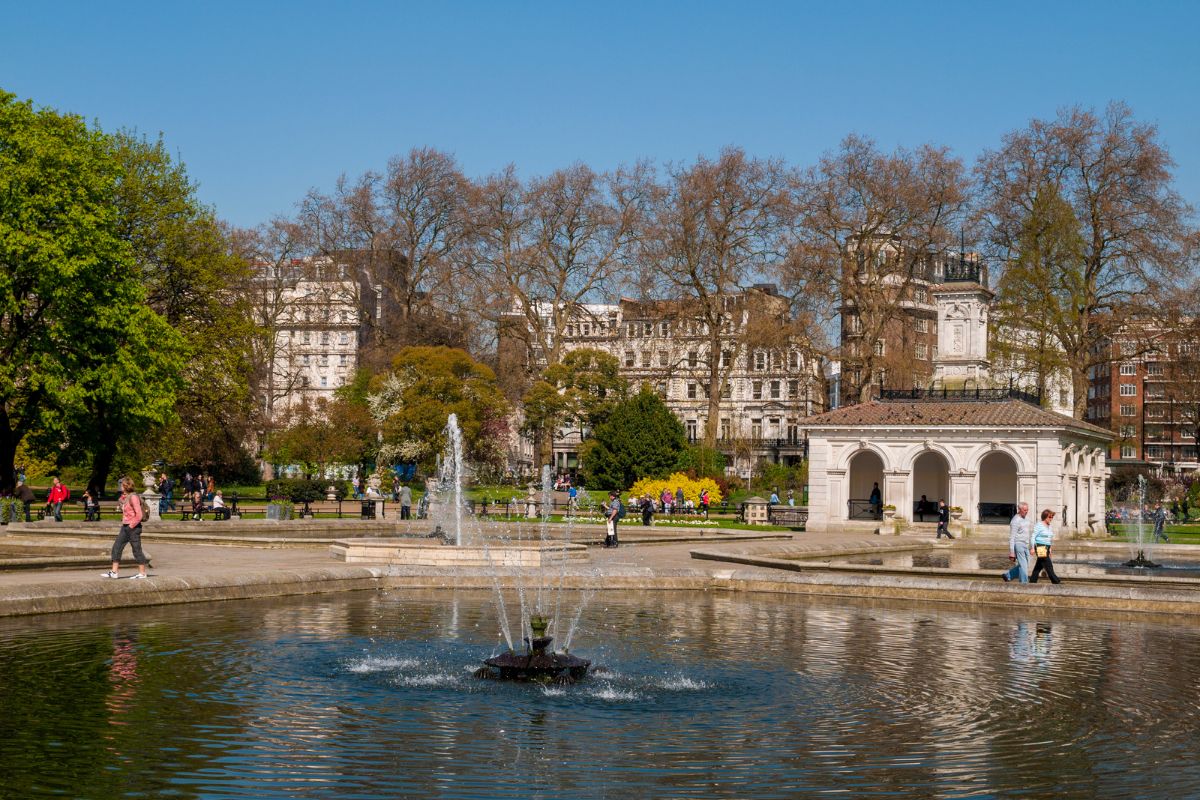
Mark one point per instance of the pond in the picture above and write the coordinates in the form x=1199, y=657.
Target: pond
x=367, y=695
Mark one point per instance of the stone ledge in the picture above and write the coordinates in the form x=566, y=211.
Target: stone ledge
x=46, y=598
x=428, y=553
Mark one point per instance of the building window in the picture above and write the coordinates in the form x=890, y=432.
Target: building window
x=1128, y=451
x=793, y=360
x=879, y=347
x=629, y=358
x=726, y=391
x=760, y=360
x=645, y=359
x=756, y=390
x=663, y=359
x=342, y=360
x=324, y=360
x=570, y=330
x=648, y=329
x=306, y=337
x=1128, y=390
x=920, y=295
x=586, y=329
x=1128, y=410
x=793, y=431
x=774, y=390
x=1155, y=451
x=1128, y=431
x=691, y=430
x=922, y=325
x=664, y=329
x=725, y=428
x=661, y=388
x=934, y=352
x=922, y=352
x=1129, y=369
x=325, y=337
x=1154, y=368
x=793, y=389
x=307, y=360
x=776, y=360
x=344, y=338
x=691, y=391
x=726, y=359
x=324, y=382
x=692, y=359
x=756, y=429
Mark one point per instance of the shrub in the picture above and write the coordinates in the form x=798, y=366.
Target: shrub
x=691, y=487
x=298, y=490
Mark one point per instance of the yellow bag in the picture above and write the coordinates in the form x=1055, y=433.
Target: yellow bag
x=1042, y=550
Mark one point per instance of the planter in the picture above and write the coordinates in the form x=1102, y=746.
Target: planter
x=889, y=513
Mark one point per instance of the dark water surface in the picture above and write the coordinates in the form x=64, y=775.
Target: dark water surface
x=709, y=696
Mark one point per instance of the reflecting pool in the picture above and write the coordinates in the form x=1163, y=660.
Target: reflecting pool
x=369, y=695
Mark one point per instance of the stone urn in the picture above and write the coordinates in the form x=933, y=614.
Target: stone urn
x=531, y=503
x=150, y=496
x=956, y=514
x=330, y=493
x=889, y=512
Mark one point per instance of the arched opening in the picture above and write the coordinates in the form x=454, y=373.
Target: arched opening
x=931, y=480
x=866, y=472
x=997, y=487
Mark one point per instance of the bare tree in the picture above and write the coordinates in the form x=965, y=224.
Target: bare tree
x=869, y=225
x=544, y=250
x=717, y=227
x=1106, y=180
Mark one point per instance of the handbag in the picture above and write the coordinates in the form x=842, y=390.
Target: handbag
x=1042, y=550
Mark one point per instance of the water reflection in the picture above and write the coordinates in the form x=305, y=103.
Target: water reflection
x=728, y=695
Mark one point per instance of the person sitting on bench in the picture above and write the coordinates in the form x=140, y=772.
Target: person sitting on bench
x=218, y=506
x=91, y=508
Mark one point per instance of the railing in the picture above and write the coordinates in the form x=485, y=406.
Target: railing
x=958, y=395
x=1002, y=512
x=864, y=509
x=787, y=516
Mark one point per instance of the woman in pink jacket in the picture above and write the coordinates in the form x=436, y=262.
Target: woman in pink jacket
x=133, y=511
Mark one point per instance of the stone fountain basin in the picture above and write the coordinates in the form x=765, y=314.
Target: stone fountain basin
x=431, y=553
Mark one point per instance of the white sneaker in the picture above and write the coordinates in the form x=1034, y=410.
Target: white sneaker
x=109, y=574
x=140, y=576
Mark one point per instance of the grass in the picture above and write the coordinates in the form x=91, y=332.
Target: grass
x=1179, y=534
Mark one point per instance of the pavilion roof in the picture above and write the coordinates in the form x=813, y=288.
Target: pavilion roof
x=933, y=413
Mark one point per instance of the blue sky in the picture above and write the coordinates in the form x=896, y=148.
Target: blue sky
x=265, y=100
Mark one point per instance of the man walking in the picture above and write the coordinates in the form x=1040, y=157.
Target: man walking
x=405, y=501
x=943, y=528
x=1018, y=545
x=25, y=495
x=615, y=511
x=59, y=494
x=1160, y=521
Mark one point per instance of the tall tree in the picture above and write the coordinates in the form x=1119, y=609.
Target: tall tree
x=197, y=284
x=580, y=391
x=412, y=401
x=868, y=226
x=74, y=330
x=1115, y=176
x=715, y=228
x=543, y=251
x=641, y=438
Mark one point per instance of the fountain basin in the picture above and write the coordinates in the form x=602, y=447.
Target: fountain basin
x=431, y=553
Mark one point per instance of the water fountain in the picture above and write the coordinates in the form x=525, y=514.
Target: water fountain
x=502, y=554
x=1138, y=541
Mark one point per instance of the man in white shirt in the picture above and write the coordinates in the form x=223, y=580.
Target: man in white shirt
x=1018, y=545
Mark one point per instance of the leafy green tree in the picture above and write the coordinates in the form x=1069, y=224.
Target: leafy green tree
x=74, y=330
x=641, y=438
x=329, y=433
x=579, y=391
x=195, y=283
x=412, y=401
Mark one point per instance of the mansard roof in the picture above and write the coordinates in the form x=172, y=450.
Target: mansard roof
x=951, y=413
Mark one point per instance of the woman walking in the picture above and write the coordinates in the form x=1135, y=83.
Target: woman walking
x=1043, y=538
x=133, y=511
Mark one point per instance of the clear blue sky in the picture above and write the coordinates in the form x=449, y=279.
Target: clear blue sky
x=265, y=100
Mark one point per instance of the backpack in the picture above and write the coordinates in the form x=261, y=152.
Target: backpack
x=620, y=508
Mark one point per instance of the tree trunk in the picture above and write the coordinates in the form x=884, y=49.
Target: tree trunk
x=1079, y=384
x=545, y=448
x=101, y=466
x=8, y=454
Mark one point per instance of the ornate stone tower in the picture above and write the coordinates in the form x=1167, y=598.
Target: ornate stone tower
x=963, y=302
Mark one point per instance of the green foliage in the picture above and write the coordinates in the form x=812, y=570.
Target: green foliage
x=317, y=437
x=641, y=438
x=412, y=401
x=303, y=490
x=192, y=280
x=580, y=391
x=83, y=355
x=782, y=476
x=706, y=462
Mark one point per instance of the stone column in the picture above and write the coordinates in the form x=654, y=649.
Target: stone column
x=897, y=491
